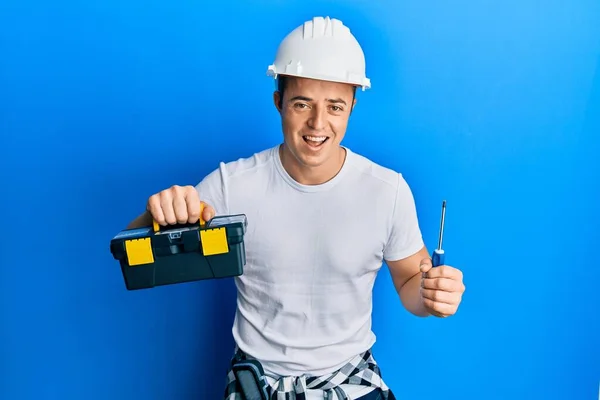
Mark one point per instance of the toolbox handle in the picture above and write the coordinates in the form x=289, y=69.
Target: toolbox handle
x=156, y=225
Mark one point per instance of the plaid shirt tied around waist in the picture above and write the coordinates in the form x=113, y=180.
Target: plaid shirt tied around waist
x=361, y=370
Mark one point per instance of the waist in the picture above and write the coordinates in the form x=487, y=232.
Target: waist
x=312, y=355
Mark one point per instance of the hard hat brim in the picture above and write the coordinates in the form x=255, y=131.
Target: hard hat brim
x=364, y=83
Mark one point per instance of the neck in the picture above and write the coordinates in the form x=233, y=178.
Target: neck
x=306, y=175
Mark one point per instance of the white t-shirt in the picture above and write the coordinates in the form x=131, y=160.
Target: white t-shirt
x=312, y=254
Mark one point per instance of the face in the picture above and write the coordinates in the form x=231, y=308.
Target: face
x=314, y=117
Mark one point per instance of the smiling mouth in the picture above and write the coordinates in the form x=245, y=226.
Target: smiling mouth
x=315, y=141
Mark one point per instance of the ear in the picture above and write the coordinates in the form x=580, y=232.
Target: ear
x=353, y=105
x=276, y=100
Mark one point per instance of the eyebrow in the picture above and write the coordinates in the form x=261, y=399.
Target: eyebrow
x=304, y=98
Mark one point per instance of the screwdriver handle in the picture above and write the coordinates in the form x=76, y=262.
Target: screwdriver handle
x=438, y=257
x=438, y=254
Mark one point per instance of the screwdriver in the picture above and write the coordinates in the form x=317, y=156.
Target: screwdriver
x=438, y=254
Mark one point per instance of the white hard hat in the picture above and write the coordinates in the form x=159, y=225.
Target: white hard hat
x=324, y=49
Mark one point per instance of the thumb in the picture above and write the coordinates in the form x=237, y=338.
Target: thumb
x=425, y=266
x=207, y=212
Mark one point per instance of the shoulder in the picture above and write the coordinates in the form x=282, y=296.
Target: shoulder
x=369, y=171
x=242, y=167
x=237, y=176
x=384, y=183
x=255, y=163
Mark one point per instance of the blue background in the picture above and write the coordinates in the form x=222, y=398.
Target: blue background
x=492, y=105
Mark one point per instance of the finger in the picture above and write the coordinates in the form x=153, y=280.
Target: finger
x=180, y=207
x=155, y=209
x=445, y=271
x=439, y=296
x=193, y=210
x=443, y=284
x=191, y=204
x=166, y=203
x=439, y=309
x=425, y=266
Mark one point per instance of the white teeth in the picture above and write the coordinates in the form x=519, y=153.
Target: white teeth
x=316, y=138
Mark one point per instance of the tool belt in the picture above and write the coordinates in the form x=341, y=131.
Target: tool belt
x=250, y=377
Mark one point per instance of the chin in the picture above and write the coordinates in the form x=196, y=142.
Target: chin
x=314, y=155
x=312, y=161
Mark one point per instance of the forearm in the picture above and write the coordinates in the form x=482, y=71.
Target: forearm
x=143, y=220
x=410, y=296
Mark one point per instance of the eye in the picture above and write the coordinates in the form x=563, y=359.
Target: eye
x=336, y=108
x=300, y=105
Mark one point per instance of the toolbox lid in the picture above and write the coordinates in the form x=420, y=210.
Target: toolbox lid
x=236, y=220
x=229, y=220
x=133, y=233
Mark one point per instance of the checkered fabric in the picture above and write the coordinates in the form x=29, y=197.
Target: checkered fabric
x=361, y=370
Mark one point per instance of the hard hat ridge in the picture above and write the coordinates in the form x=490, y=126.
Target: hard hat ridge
x=322, y=48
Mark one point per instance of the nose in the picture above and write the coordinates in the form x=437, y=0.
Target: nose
x=318, y=119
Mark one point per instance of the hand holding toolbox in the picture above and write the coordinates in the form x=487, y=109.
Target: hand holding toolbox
x=155, y=256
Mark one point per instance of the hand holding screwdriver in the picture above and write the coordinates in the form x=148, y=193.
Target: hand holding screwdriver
x=441, y=285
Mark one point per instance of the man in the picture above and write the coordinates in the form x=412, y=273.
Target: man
x=321, y=220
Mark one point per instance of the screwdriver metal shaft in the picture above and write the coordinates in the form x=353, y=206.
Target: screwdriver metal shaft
x=438, y=254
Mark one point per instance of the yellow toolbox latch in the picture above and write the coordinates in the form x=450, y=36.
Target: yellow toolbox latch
x=139, y=251
x=214, y=241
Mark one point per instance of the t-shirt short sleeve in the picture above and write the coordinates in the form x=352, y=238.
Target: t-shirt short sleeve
x=405, y=235
x=212, y=191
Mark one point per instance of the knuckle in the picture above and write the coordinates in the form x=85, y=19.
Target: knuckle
x=189, y=190
x=442, y=284
x=428, y=303
x=445, y=297
x=155, y=198
x=165, y=195
x=153, y=205
x=152, y=201
x=448, y=285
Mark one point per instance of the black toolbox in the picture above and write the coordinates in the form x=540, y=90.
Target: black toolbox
x=155, y=256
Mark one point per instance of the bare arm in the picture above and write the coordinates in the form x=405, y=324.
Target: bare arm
x=143, y=220
x=406, y=275
x=424, y=290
